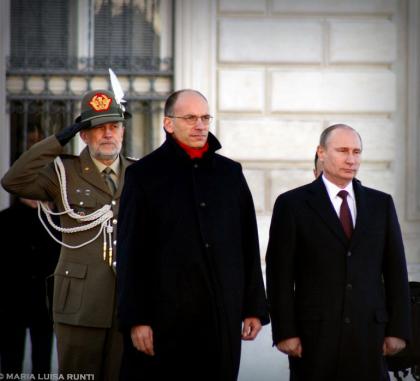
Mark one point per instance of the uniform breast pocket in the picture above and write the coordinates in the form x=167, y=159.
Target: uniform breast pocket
x=68, y=287
x=82, y=201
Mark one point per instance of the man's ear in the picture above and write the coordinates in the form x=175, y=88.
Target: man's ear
x=320, y=152
x=83, y=136
x=168, y=125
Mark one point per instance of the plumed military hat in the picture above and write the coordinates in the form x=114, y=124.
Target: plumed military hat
x=100, y=106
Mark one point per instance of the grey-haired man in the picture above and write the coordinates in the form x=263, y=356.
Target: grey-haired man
x=86, y=189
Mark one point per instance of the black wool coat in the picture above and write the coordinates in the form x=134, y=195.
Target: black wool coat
x=340, y=296
x=188, y=263
x=28, y=256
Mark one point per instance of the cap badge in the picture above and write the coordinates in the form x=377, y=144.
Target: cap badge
x=100, y=102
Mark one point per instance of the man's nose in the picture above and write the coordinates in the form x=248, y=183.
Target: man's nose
x=108, y=131
x=200, y=125
x=350, y=158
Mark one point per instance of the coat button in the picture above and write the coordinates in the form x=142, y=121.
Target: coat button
x=347, y=320
x=202, y=204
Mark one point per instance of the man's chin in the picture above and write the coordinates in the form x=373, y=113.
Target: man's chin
x=198, y=144
x=106, y=156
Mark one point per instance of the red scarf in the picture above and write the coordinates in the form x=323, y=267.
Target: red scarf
x=194, y=153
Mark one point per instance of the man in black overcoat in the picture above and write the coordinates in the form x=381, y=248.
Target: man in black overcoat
x=189, y=275
x=28, y=256
x=336, y=271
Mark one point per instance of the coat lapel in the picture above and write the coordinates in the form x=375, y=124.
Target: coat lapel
x=124, y=164
x=362, y=213
x=90, y=173
x=320, y=202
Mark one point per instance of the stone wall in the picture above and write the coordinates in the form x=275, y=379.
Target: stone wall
x=287, y=69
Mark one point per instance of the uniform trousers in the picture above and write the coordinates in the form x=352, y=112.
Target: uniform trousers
x=87, y=350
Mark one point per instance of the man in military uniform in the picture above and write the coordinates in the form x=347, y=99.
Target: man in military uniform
x=86, y=190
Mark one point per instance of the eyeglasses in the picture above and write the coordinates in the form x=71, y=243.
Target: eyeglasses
x=193, y=119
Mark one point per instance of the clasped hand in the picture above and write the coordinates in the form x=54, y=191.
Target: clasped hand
x=293, y=346
x=142, y=335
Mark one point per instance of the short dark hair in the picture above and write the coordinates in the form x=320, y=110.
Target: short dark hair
x=327, y=132
x=172, y=98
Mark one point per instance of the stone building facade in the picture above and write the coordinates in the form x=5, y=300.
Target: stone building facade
x=280, y=71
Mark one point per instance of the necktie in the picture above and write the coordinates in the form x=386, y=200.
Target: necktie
x=108, y=179
x=345, y=215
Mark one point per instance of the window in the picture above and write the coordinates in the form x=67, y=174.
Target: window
x=63, y=48
x=126, y=34
x=39, y=33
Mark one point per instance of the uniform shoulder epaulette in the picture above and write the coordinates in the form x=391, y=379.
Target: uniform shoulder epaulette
x=130, y=158
x=68, y=156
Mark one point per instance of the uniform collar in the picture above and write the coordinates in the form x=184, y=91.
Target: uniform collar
x=115, y=166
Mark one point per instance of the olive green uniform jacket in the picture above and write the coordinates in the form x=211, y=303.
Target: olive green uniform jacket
x=84, y=289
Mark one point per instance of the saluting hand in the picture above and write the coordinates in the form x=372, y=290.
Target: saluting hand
x=291, y=347
x=251, y=328
x=142, y=338
x=67, y=133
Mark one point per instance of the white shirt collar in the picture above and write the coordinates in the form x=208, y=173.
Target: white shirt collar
x=333, y=189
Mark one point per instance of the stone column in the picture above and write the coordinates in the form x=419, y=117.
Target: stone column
x=195, y=47
x=4, y=116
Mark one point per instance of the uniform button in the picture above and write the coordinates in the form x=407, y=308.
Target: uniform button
x=347, y=320
x=115, y=242
x=349, y=254
x=114, y=221
x=113, y=202
x=67, y=272
x=349, y=287
x=202, y=204
x=81, y=203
